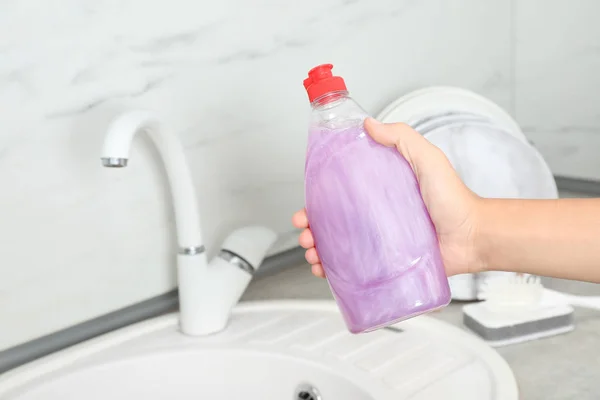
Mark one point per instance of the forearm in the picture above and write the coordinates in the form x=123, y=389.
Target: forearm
x=558, y=238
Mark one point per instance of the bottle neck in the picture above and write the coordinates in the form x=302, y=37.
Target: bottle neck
x=329, y=99
x=336, y=110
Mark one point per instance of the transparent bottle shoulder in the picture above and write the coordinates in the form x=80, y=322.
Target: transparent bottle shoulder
x=337, y=123
x=336, y=126
x=343, y=114
x=327, y=143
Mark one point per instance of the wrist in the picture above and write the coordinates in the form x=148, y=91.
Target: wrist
x=480, y=240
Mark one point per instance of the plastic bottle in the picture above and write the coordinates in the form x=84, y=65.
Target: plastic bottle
x=372, y=231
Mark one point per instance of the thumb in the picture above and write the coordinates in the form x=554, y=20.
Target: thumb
x=398, y=135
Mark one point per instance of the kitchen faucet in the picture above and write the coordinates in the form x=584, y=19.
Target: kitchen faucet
x=207, y=291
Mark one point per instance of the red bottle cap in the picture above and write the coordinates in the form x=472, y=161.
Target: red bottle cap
x=321, y=81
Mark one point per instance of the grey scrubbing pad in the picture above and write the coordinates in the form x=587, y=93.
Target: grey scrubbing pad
x=503, y=328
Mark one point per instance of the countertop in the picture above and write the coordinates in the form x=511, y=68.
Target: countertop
x=561, y=367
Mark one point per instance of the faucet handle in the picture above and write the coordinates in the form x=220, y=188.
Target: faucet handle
x=207, y=295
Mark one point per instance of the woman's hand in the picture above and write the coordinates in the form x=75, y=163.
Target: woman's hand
x=452, y=206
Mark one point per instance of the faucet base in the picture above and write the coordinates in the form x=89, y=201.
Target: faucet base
x=208, y=294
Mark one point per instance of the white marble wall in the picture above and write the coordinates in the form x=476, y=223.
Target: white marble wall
x=557, y=74
x=80, y=240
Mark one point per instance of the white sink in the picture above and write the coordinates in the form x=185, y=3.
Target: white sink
x=270, y=351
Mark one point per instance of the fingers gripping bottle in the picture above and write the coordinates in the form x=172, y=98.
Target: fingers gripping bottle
x=372, y=231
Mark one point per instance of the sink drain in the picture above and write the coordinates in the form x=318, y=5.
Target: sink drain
x=307, y=392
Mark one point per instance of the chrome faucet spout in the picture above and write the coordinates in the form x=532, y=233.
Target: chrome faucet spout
x=111, y=162
x=115, y=153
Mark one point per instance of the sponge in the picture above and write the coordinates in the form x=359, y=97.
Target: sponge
x=505, y=326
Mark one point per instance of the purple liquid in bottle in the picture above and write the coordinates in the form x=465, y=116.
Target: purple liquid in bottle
x=372, y=230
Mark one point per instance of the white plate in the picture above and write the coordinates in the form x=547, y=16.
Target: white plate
x=483, y=142
x=442, y=99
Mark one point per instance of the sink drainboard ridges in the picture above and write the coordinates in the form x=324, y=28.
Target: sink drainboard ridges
x=321, y=335
x=352, y=346
x=393, y=352
x=256, y=328
x=422, y=368
x=286, y=329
